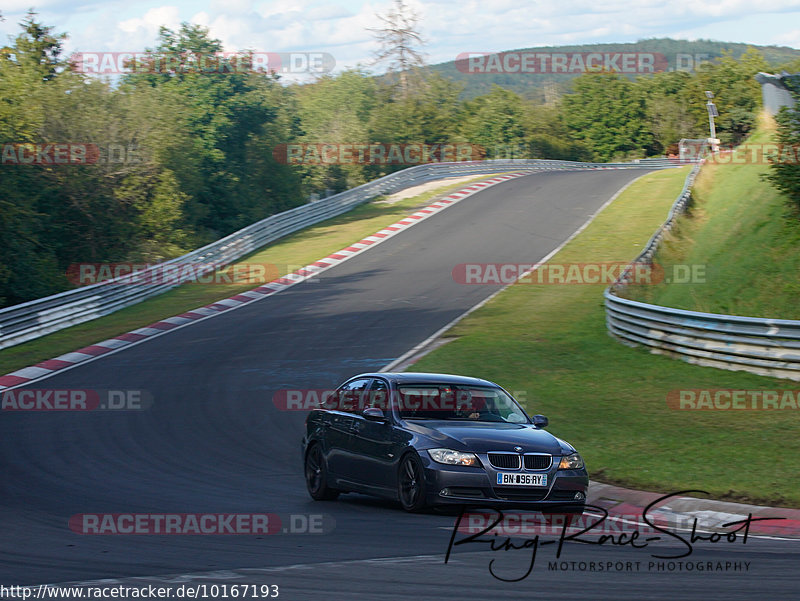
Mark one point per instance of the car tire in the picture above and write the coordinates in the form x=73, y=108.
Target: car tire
x=316, y=473
x=411, y=490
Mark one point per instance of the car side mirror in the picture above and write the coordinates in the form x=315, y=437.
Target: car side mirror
x=540, y=421
x=374, y=414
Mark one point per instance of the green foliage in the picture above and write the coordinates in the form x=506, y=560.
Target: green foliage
x=621, y=118
x=670, y=111
x=496, y=122
x=608, y=114
x=336, y=110
x=187, y=153
x=736, y=93
x=185, y=157
x=219, y=121
x=427, y=114
x=785, y=174
x=736, y=235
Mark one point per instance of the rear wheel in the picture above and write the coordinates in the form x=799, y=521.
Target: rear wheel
x=411, y=483
x=317, y=476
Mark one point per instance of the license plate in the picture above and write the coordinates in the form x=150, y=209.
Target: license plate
x=505, y=479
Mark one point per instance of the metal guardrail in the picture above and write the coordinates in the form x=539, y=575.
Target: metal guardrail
x=768, y=347
x=30, y=320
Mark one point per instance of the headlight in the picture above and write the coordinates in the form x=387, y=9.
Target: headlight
x=571, y=462
x=450, y=457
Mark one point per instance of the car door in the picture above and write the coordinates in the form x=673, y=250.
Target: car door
x=375, y=443
x=347, y=401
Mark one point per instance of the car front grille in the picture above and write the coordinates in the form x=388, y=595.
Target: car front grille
x=513, y=461
x=504, y=461
x=538, y=462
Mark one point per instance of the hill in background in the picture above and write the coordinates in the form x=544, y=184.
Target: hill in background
x=670, y=55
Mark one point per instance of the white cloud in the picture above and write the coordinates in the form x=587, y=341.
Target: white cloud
x=450, y=29
x=234, y=7
x=152, y=20
x=15, y=7
x=788, y=38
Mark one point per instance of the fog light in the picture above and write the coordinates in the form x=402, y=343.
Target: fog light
x=445, y=492
x=579, y=496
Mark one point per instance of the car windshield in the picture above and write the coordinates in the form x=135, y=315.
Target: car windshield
x=452, y=402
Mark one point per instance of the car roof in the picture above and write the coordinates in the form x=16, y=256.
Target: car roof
x=428, y=378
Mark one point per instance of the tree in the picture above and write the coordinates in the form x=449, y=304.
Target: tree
x=608, y=114
x=399, y=41
x=548, y=136
x=496, y=122
x=336, y=110
x=429, y=115
x=37, y=49
x=184, y=156
x=670, y=114
x=28, y=266
x=219, y=124
x=736, y=93
x=785, y=174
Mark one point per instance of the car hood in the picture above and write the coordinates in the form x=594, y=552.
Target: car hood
x=480, y=437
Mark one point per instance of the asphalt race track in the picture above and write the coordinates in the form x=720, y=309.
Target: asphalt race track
x=213, y=441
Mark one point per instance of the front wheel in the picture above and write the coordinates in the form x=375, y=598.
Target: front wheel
x=411, y=483
x=317, y=476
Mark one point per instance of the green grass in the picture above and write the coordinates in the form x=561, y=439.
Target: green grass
x=296, y=250
x=609, y=400
x=739, y=233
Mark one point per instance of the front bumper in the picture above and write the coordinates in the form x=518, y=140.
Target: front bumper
x=462, y=485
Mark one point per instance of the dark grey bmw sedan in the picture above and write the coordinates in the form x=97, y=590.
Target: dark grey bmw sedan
x=436, y=439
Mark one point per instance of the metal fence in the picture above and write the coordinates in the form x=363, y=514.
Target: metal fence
x=769, y=347
x=39, y=317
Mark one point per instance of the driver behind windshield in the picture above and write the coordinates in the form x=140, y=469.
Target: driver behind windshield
x=447, y=402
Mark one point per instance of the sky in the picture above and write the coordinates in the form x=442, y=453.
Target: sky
x=449, y=28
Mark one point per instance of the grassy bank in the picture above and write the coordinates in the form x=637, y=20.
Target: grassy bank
x=739, y=234
x=610, y=400
x=287, y=254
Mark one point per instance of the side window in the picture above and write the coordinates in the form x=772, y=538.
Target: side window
x=350, y=395
x=378, y=395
